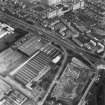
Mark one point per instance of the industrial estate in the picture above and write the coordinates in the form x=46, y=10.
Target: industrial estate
x=52, y=52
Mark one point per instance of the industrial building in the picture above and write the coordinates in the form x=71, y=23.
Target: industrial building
x=51, y=2
x=51, y=51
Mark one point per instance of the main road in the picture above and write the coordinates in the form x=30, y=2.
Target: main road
x=50, y=34
x=56, y=38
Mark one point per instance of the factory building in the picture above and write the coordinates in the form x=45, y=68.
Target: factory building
x=6, y=35
x=55, y=2
x=50, y=2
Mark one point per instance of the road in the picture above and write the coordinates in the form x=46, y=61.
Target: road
x=56, y=38
x=55, y=78
x=82, y=100
x=52, y=35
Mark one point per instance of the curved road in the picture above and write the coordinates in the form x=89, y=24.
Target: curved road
x=55, y=78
